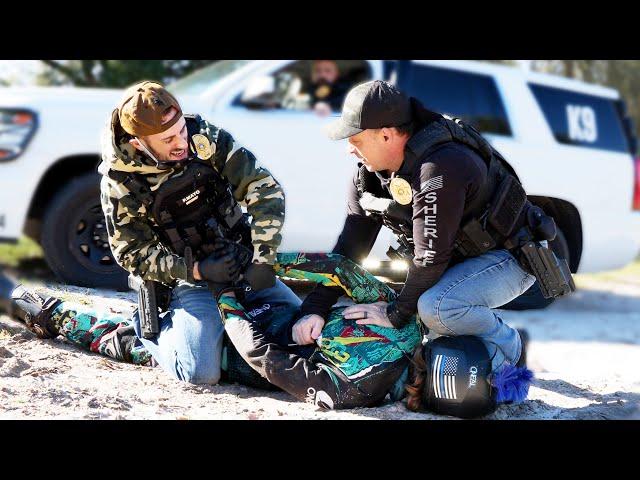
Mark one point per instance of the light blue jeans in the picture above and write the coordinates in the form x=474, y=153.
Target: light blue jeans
x=464, y=299
x=189, y=345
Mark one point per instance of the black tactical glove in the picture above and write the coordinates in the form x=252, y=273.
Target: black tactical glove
x=220, y=267
x=260, y=276
x=242, y=254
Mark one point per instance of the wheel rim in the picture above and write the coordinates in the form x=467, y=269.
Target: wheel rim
x=89, y=241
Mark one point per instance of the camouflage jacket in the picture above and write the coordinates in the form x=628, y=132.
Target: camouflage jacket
x=132, y=231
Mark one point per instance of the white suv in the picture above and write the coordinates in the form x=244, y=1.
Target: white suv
x=571, y=144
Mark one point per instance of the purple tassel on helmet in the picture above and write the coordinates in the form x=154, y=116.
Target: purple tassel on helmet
x=511, y=383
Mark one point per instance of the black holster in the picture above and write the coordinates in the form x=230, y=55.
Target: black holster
x=153, y=298
x=552, y=273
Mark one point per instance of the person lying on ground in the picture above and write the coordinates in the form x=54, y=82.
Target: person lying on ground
x=351, y=365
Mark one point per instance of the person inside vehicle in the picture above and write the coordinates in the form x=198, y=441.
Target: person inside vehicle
x=323, y=92
x=327, y=90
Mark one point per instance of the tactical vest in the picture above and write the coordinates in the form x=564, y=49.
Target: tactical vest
x=491, y=218
x=193, y=207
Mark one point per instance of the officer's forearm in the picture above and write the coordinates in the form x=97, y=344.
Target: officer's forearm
x=357, y=238
x=419, y=280
x=320, y=301
x=267, y=223
x=153, y=261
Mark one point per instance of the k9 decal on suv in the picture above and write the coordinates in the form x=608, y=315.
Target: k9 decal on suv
x=581, y=121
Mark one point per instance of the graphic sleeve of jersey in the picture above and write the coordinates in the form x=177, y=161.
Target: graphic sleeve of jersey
x=134, y=244
x=254, y=186
x=335, y=271
x=110, y=335
x=356, y=240
x=439, y=192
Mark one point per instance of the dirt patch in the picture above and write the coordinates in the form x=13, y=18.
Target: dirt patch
x=584, y=351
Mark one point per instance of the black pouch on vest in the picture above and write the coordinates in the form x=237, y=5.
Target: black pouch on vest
x=507, y=206
x=472, y=240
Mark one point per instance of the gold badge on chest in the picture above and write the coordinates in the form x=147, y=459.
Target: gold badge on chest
x=204, y=149
x=401, y=191
x=323, y=91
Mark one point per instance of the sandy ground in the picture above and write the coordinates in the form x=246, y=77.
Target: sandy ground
x=584, y=350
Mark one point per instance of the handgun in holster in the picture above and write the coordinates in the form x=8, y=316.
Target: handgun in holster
x=153, y=297
x=553, y=273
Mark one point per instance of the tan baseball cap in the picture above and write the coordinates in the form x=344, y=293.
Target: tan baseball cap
x=142, y=107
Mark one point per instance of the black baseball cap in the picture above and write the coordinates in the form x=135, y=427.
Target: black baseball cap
x=375, y=104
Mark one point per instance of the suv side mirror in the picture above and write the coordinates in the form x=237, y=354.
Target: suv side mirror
x=260, y=93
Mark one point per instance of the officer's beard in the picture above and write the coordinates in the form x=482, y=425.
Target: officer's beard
x=163, y=164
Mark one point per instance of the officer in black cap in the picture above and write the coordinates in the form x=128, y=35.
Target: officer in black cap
x=430, y=179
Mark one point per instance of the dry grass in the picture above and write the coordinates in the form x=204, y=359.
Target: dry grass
x=25, y=249
x=629, y=275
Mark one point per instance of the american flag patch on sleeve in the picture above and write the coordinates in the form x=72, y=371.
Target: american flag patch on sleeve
x=432, y=184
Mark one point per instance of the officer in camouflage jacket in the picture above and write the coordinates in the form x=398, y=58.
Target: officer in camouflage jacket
x=147, y=136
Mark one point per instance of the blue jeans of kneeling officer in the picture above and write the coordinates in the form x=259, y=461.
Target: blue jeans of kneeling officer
x=189, y=345
x=462, y=302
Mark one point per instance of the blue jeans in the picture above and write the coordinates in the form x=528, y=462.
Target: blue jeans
x=462, y=302
x=189, y=345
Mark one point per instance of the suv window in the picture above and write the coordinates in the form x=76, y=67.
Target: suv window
x=580, y=119
x=472, y=97
x=292, y=87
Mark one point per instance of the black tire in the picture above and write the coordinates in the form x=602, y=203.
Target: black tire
x=532, y=299
x=74, y=237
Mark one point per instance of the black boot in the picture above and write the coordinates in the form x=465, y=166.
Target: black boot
x=35, y=311
x=524, y=340
x=6, y=287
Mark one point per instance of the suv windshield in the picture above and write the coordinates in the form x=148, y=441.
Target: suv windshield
x=198, y=81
